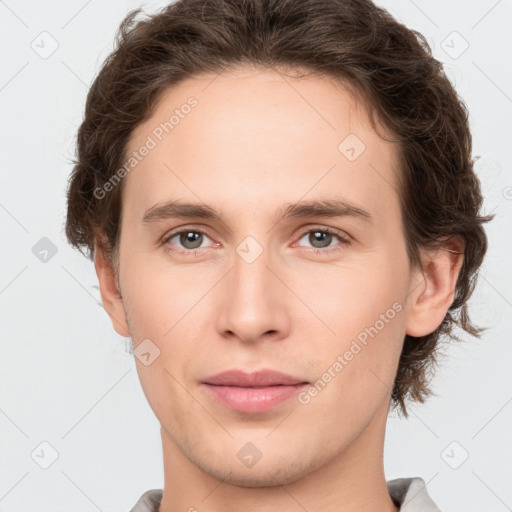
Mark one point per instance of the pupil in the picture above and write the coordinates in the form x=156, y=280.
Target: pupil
x=191, y=237
x=325, y=236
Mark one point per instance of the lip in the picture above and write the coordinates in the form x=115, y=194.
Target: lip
x=261, y=378
x=255, y=392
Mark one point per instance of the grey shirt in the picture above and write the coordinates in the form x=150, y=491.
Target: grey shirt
x=409, y=494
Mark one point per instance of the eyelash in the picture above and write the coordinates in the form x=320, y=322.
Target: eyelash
x=343, y=241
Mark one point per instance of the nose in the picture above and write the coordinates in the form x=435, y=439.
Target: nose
x=254, y=304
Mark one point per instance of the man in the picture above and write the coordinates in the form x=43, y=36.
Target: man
x=281, y=205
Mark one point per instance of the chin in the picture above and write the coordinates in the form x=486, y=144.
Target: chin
x=263, y=474
x=260, y=479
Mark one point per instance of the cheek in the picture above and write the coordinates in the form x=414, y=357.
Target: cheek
x=363, y=319
x=355, y=375
x=346, y=300
x=158, y=295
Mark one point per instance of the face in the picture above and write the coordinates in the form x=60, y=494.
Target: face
x=263, y=282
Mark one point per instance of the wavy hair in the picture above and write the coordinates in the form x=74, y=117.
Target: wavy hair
x=387, y=65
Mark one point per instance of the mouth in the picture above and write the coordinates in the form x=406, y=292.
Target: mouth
x=255, y=392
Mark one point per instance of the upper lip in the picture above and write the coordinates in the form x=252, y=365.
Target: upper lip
x=260, y=378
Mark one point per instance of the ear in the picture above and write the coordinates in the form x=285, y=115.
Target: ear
x=433, y=287
x=110, y=296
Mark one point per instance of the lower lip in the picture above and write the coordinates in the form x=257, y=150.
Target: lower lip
x=253, y=400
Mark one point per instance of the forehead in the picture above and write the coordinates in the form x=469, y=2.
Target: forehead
x=261, y=138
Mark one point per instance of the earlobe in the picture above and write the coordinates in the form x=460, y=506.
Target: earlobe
x=110, y=295
x=433, y=288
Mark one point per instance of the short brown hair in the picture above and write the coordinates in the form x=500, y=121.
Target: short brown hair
x=388, y=65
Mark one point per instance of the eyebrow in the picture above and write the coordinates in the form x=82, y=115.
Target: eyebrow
x=302, y=209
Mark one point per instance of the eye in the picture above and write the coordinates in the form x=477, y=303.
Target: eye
x=321, y=238
x=190, y=239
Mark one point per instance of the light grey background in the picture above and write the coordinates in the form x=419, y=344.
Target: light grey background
x=67, y=379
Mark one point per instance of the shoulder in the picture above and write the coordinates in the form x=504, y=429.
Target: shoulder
x=149, y=501
x=411, y=495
